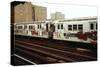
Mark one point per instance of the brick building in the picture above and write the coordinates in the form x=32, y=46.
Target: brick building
x=24, y=12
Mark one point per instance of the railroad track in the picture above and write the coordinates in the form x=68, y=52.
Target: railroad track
x=51, y=53
x=61, y=46
x=36, y=57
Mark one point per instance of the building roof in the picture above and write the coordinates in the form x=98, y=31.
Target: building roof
x=15, y=3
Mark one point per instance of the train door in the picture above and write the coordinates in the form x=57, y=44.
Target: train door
x=50, y=29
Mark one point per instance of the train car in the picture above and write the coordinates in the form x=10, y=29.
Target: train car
x=77, y=30
x=34, y=29
x=37, y=29
x=18, y=29
x=84, y=30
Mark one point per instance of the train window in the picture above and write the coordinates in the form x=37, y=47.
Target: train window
x=69, y=27
x=38, y=26
x=19, y=27
x=58, y=26
x=30, y=27
x=74, y=27
x=25, y=26
x=80, y=27
x=91, y=26
x=61, y=26
x=15, y=27
x=46, y=27
x=96, y=26
x=64, y=34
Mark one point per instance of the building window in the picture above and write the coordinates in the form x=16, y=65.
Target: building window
x=61, y=26
x=74, y=27
x=58, y=26
x=91, y=26
x=80, y=27
x=69, y=27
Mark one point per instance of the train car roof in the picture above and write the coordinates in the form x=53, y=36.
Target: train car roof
x=33, y=22
x=82, y=19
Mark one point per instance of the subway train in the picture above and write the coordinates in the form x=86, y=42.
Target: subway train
x=82, y=30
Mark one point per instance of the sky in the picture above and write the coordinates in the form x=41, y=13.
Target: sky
x=70, y=11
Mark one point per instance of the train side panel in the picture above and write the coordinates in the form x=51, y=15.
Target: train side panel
x=69, y=30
